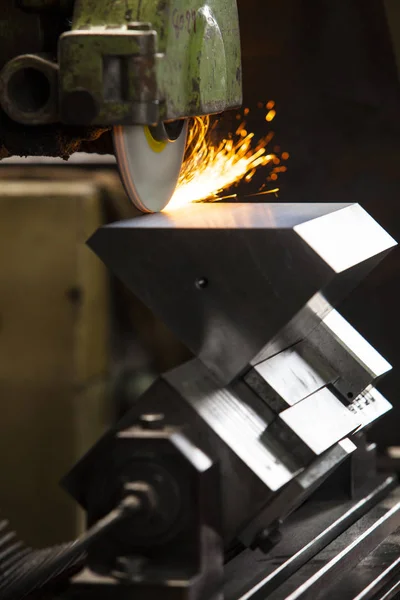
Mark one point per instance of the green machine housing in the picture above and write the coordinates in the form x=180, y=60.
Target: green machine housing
x=119, y=62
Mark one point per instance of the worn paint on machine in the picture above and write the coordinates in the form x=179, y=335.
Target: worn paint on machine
x=162, y=60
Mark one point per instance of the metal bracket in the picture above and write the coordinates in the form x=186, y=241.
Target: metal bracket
x=108, y=75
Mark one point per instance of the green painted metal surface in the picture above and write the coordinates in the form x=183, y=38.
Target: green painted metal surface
x=183, y=60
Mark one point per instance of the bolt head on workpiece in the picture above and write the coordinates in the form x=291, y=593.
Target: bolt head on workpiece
x=151, y=420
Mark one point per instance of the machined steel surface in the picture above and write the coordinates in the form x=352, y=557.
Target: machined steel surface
x=297, y=491
x=355, y=361
x=333, y=353
x=290, y=376
x=320, y=577
x=377, y=576
x=231, y=320
x=318, y=422
x=234, y=421
x=315, y=527
x=316, y=385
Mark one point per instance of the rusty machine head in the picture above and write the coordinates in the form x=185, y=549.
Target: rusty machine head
x=72, y=69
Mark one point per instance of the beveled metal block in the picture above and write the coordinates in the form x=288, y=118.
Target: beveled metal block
x=290, y=376
x=314, y=425
x=229, y=278
x=334, y=353
x=238, y=424
x=356, y=362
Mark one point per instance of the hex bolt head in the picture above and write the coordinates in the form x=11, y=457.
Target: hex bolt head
x=268, y=538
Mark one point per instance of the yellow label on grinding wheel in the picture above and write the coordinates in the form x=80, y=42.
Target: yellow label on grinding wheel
x=155, y=145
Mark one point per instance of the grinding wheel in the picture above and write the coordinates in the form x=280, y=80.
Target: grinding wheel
x=150, y=161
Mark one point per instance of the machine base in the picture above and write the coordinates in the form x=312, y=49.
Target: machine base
x=330, y=550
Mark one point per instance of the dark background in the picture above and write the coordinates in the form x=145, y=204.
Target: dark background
x=331, y=69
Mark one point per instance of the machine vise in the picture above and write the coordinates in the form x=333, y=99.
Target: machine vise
x=222, y=451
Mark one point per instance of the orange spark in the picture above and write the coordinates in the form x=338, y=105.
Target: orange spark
x=211, y=167
x=270, y=115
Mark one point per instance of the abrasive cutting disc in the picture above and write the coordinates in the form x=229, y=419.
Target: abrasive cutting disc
x=150, y=161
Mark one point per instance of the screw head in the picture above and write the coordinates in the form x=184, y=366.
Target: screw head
x=268, y=538
x=201, y=283
x=152, y=421
x=129, y=567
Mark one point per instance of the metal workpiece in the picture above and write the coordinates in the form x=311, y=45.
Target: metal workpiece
x=313, y=399
x=313, y=425
x=261, y=402
x=290, y=376
x=355, y=361
x=237, y=423
x=230, y=321
x=351, y=243
x=334, y=355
